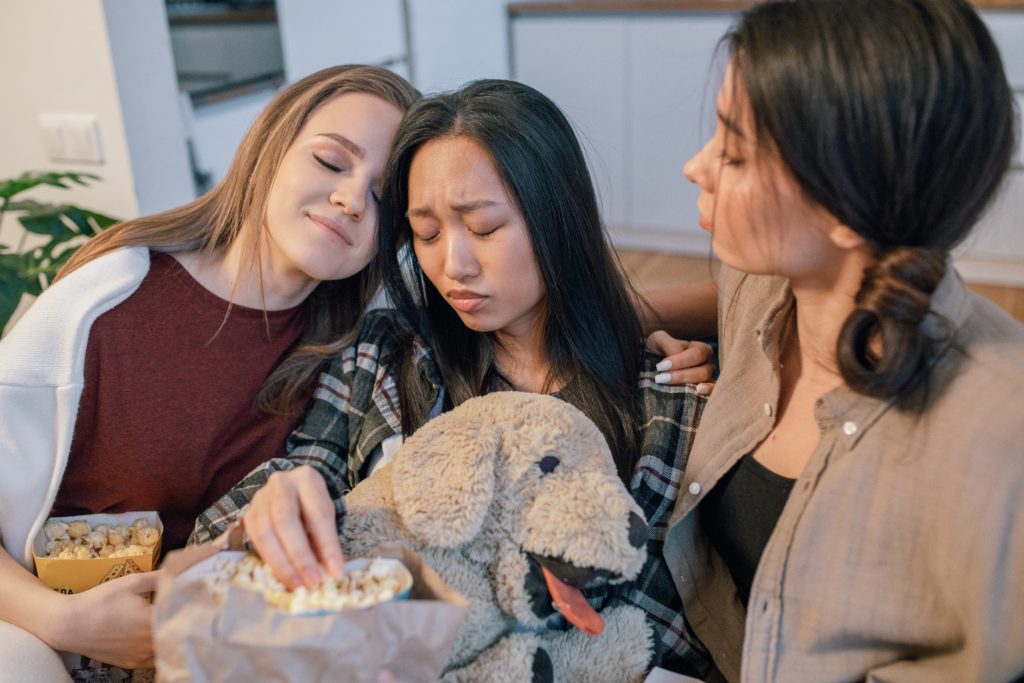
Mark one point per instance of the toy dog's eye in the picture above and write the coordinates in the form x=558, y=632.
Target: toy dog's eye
x=548, y=464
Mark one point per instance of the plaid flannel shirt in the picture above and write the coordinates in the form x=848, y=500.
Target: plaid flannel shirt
x=355, y=408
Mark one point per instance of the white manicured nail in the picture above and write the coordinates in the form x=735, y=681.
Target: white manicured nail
x=662, y=378
x=663, y=365
x=704, y=388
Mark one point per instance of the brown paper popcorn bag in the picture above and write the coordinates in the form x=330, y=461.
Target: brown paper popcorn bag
x=201, y=638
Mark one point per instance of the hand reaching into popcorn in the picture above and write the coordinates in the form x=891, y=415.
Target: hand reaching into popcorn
x=290, y=523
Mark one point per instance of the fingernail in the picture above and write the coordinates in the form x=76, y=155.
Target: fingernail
x=663, y=366
x=662, y=378
x=312, y=577
x=704, y=388
x=336, y=567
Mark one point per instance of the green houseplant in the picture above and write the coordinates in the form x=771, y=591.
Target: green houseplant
x=63, y=226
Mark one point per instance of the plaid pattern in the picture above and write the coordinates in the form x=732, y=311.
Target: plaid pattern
x=669, y=417
x=355, y=407
x=353, y=410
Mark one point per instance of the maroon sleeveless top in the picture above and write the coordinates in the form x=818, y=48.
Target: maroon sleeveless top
x=167, y=420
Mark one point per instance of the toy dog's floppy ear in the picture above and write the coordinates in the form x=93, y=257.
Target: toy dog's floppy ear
x=443, y=478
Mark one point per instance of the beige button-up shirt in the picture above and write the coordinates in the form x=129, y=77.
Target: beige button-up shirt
x=899, y=555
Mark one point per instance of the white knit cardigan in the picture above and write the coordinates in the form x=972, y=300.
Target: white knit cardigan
x=41, y=375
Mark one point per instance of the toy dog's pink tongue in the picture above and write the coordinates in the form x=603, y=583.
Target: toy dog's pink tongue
x=573, y=606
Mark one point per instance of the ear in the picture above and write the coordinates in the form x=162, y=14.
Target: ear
x=845, y=238
x=443, y=478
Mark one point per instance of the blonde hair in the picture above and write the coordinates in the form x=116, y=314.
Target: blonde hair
x=236, y=208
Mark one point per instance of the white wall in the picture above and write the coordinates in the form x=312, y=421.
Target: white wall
x=316, y=34
x=107, y=58
x=454, y=41
x=140, y=48
x=58, y=59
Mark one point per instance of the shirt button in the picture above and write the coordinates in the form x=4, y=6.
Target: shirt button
x=694, y=488
x=849, y=428
x=768, y=409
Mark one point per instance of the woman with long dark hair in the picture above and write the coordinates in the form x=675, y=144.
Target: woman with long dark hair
x=493, y=252
x=852, y=506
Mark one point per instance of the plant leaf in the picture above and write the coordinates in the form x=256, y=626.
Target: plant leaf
x=47, y=223
x=10, y=295
x=30, y=179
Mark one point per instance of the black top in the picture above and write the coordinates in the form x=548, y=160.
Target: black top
x=739, y=515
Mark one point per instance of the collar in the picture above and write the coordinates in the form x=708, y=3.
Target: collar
x=854, y=414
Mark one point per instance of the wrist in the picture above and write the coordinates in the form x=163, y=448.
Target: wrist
x=58, y=620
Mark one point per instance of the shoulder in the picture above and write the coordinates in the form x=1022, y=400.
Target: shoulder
x=677, y=407
x=57, y=324
x=383, y=341
x=981, y=376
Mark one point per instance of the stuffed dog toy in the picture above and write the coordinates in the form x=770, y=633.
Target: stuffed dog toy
x=514, y=500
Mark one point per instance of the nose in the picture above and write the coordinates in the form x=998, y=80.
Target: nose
x=637, y=530
x=351, y=198
x=459, y=261
x=695, y=169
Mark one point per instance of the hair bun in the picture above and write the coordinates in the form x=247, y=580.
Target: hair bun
x=883, y=350
x=899, y=286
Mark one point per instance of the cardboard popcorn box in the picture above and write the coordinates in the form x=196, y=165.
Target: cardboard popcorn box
x=75, y=576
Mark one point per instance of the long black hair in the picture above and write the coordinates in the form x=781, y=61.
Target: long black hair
x=895, y=116
x=592, y=336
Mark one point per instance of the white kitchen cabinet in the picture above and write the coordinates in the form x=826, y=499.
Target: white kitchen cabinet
x=641, y=89
x=580, y=63
x=672, y=87
x=634, y=86
x=994, y=252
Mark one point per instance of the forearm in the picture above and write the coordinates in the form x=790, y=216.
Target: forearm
x=684, y=311
x=27, y=603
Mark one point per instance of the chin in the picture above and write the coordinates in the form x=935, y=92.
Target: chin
x=476, y=324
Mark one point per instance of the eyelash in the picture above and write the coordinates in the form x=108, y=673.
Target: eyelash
x=329, y=167
x=433, y=238
x=728, y=160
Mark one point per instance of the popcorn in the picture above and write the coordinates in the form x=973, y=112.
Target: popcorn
x=76, y=540
x=78, y=528
x=55, y=530
x=381, y=581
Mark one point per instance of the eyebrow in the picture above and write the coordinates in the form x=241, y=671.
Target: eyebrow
x=346, y=143
x=731, y=125
x=468, y=207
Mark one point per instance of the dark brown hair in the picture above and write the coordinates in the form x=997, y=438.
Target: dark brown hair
x=895, y=116
x=592, y=336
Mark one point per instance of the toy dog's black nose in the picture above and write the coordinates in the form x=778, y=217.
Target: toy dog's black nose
x=637, y=530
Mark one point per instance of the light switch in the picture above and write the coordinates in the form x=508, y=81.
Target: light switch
x=71, y=137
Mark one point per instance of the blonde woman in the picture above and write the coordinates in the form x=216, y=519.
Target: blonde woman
x=177, y=350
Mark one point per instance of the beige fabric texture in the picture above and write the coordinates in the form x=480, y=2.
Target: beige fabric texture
x=899, y=555
x=23, y=657
x=466, y=492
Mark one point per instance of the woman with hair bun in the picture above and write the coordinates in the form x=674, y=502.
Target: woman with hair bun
x=851, y=509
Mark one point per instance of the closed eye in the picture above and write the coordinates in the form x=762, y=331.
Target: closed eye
x=486, y=232
x=328, y=166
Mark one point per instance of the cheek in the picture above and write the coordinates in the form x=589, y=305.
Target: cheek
x=430, y=263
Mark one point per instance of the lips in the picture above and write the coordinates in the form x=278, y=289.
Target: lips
x=465, y=300
x=334, y=226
